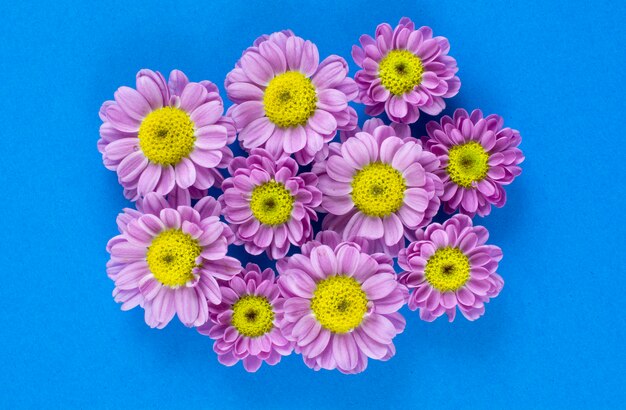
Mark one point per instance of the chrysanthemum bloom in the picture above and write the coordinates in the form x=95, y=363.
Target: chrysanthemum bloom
x=168, y=258
x=166, y=135
x=246, y=325
x=477, y=157
x=268, y=204
x=449, y=265
x=286, y=101
x=341, y=305
x=377, y=184
x=404, y=71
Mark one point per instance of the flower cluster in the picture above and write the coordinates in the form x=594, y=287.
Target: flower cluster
x=334, y=205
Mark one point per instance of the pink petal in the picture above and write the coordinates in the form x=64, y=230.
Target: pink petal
x=256, y=68
x=345, y=351
x=379, y=286
x=185, y=173
x=211, y=137
x=371, y=228
x=323, y=260
x=332, y=100
x=397, y=107
x=393, y=229
x=379, y=328
x=132, y=166
x=205, y=158
x=295, y=139
x=151, y=91
x=149, y=179
x=241, y=91
x=243, y=114
x=133, y=103
x=192, y=97
x=120, y=120
x=323, y=122
x=337, y=205
x=206, y=114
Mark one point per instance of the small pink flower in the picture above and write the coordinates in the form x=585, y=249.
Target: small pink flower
x=404, y=70
x=269, y=205
x=341, y=304
x=164, y=136
x=286, y=101
x=246, y=325
x=478, y=157
x=379, y=184
x=169, y=257
x=449, y=266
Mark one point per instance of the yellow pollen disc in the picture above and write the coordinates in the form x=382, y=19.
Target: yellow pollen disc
x=253, y=316
x=339, y=303
x=378, y=189
x=290, y=99
x=467, y=163
x=166, y=136
x=448, y=269
x=400, y=71
x=172, y=257
x=271, y=203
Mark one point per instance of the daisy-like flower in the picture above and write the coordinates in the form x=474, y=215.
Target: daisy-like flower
x=164, y=136
x=449, y=265
x=376, y=184
x=478, y=157
x=246, y=325
x=168, y=258
x=268, y=204
x=404, y=71
x=286, y=101
x=341, y=304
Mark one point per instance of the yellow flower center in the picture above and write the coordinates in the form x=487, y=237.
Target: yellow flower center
x=467, y=163
x=290, y=99
x=253, y=316
x=448, y=269
x=172, y=257
x=378, y=189
x=271, y=203
x=400, y=71
x=166, y=136
x=339, y=303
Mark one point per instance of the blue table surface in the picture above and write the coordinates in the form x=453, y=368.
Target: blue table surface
x=553, y=338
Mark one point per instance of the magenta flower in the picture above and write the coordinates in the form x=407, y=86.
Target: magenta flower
x=268, y=204
x=168, y=258
x=246, y=325
x=404, y=71
x=376, y=185
x=449, y=265
x=341, y=304
x=478, y=157
x=166, y=136
x=286, y=101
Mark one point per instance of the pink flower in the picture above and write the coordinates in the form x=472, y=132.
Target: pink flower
x=449, y=266
x=246, y=325
x=269, y=204
x=286, y=101
x=379, y=185
x=478, y=157
x=341, y=304
x=163, y=136
x=404, y=71
x=169, y=257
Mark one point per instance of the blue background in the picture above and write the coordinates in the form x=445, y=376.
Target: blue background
x=553, y=338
